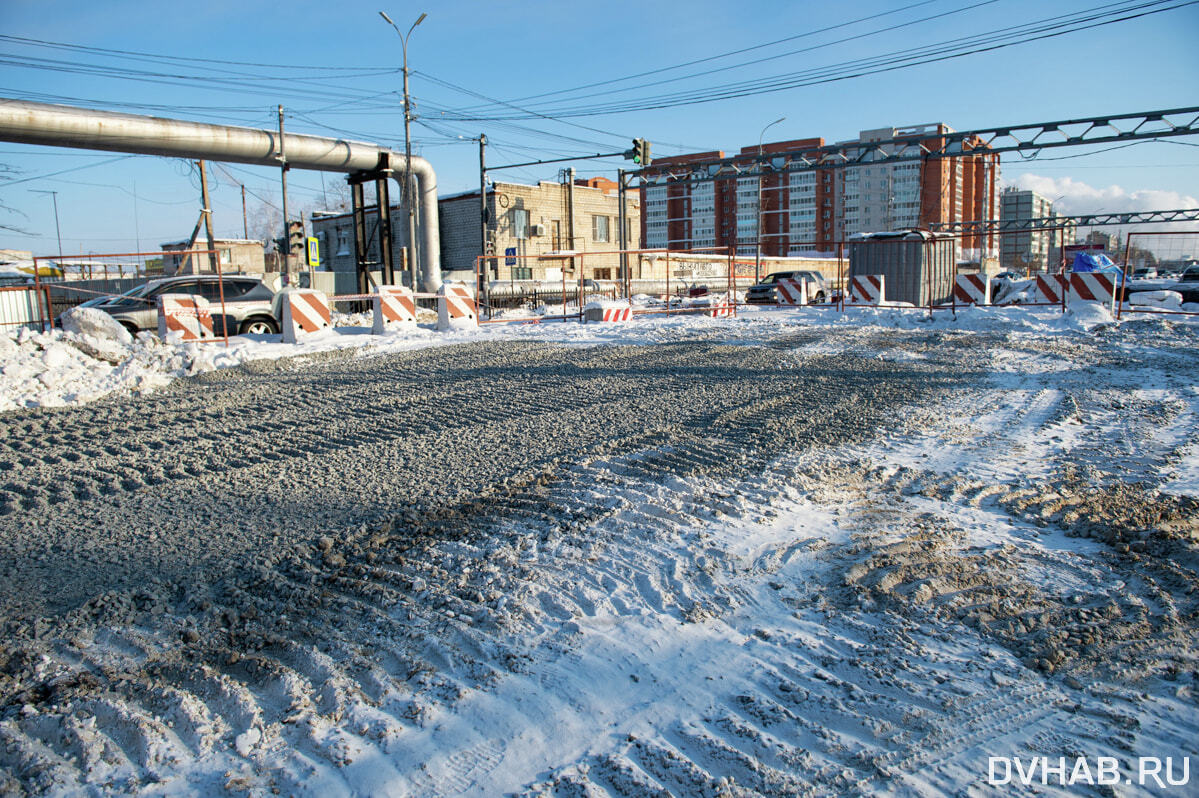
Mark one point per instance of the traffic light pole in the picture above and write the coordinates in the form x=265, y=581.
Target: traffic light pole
x=639, y=154
x=562, y=160
x=286, y=253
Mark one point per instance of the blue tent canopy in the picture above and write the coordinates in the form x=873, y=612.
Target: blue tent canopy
x=1097, y=262
x=1088, y=262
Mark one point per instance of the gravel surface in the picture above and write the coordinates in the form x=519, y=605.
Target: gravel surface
x=188, y=487
x=263, y=579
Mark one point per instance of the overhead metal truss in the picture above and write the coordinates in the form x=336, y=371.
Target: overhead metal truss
x=1055, y=222
x=923, y=143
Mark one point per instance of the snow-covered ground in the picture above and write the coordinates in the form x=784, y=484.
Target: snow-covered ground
x=735, y=596
x=57, y=368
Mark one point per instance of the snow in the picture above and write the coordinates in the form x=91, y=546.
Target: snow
x=94, y=357
x=644, y=669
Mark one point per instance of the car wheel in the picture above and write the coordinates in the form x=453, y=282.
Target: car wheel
x=130, y=327
x=819, y=298
x=259, y=326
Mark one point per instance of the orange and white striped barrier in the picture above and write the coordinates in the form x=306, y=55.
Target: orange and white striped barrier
x=186, y=314
x=972, y=289
x=1050, y=289
x=304, y=312
x=455, y=307
x=606, y=312
x=721, y=308
x=791, y=292
x=394, y=308
x=1093, y=287
x=866, y=289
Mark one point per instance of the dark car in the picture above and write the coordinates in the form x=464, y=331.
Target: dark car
x=247, y=303
x=764, y=293
x=1187, y=285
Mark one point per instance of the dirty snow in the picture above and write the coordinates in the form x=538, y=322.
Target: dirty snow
x=791, y=553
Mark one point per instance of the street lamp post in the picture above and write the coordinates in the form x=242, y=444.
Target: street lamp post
x=412, y=254
x=57, y=229
x=758, y=258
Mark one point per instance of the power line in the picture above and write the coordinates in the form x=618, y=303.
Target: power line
x=8, y=183
x=162, y=57
x=954, y=48
x=875, y=32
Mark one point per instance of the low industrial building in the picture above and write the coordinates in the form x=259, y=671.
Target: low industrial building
x=237, y=255
x=541, y=232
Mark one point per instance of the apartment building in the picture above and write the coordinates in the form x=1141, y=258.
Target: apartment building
x=808, y=211
x=1030, y=250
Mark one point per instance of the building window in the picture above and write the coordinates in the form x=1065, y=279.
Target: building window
x=520, y=223
x=522, y=272
x=599, y=228
x=343, y=242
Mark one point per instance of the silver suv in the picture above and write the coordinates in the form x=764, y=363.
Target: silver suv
x=764, y=292
x=247, y=308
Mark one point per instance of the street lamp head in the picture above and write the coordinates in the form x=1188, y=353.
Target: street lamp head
x=420, y=19
x=384, y=15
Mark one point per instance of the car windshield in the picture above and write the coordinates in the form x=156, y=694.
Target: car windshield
x=131, y=298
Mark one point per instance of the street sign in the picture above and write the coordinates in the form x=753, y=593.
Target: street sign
x=314, y=252
x=510, y=256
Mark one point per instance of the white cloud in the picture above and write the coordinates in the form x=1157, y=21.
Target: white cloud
x=1073, y=197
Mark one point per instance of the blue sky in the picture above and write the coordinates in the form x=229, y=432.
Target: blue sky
x=466, y=55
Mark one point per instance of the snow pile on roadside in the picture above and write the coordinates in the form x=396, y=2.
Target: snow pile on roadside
x=94, y=357
x=59, y=368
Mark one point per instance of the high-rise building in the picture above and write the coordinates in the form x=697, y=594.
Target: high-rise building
x=1028, y=250
x=797, y=212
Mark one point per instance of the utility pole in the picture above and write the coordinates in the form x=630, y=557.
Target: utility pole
x=245, y=217
x=622, y=238
x=484, y=217
x=57, y=229
x=137, y=233
x=758, y=258
x=408, y=198
x=286, y=253
x=207, y=211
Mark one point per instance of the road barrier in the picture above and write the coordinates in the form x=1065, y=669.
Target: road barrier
x=304, y=312
x=866, y=289
x=608, y=313
x=455, y=307
x=186, y=314
x=394, y=308
x=1092, y=287
x=1050, y=289
x=722, y=308
x=791, y=292
x=972, y=289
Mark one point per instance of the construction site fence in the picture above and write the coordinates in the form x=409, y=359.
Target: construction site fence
x=920, y=271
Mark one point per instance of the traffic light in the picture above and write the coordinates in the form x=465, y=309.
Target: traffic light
x=639, y=153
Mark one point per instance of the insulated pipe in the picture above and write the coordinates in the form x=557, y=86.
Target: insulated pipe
x=84, y=128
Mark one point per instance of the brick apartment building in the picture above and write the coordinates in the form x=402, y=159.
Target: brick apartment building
x=531, y=225
x=813, y=210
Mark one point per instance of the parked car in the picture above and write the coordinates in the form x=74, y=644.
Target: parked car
x=1145, y=273
x=763, y=293
x=247, y=308
x=1187, y=285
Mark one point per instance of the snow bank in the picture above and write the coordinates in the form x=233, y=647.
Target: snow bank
x=95, y=357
